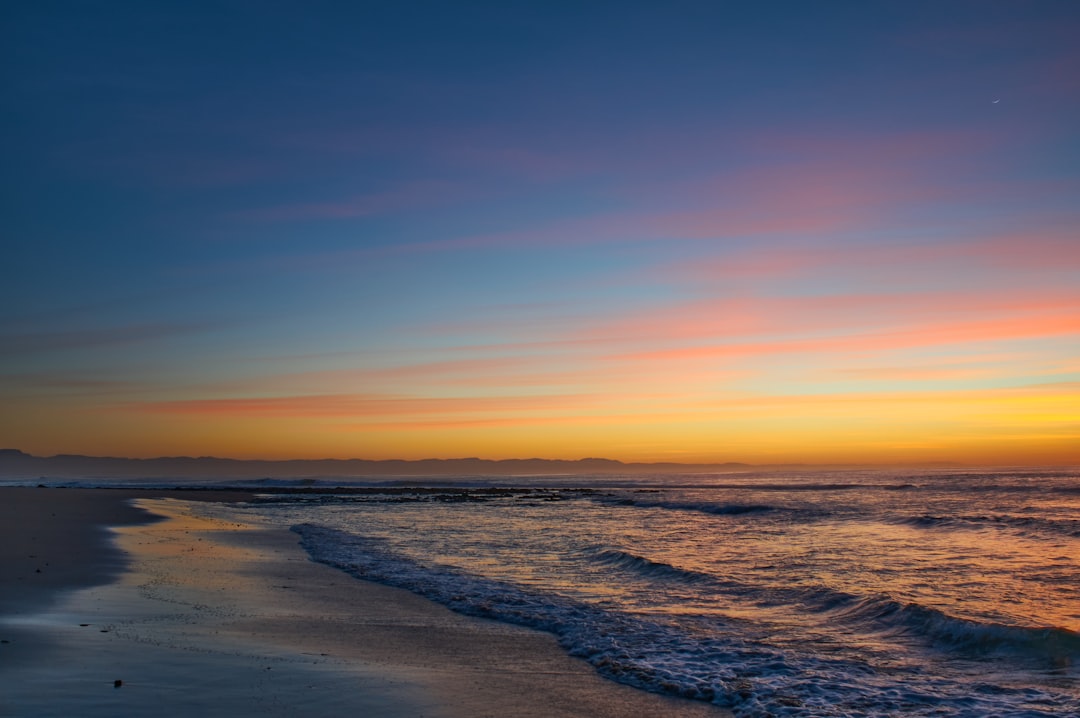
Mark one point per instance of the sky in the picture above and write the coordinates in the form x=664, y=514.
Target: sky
x=767, y=232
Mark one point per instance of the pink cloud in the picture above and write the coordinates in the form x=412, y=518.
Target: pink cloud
x=745, y=317
x=537, y=370
x=826, y=185
x=918, y=373
x=930, y=334
x=1036, y=249
x=712, y=340
x=790, y=204
x=839, y=185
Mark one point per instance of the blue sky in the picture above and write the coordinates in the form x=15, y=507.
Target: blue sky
x=604, y=224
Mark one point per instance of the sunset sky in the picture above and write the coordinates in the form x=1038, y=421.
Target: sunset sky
x=685, y=231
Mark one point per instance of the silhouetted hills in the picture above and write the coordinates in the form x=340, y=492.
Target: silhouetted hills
x=17, y=464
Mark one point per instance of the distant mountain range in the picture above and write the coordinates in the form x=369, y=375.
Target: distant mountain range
x=17, y=464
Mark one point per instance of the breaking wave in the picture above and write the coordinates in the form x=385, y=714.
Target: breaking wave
x=713, y=659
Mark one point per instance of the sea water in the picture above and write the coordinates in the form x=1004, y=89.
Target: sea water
x=855, y=593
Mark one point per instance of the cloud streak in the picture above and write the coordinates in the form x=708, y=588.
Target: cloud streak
x=51, y=342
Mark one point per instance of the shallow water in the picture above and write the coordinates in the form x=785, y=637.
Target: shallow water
x=821, y=594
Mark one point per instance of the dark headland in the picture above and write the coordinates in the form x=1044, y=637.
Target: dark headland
x=17, y=464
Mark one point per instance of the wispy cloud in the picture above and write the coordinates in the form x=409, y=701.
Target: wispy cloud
x=355, y=405
x=1037, y=249
x=30, y=343
x=70, y=385
x=930, y=334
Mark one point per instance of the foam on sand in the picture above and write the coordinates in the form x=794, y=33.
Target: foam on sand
x=220, y=619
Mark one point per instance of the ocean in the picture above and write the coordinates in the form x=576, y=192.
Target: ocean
x=846, y=593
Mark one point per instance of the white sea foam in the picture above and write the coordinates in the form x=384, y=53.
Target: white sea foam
x=771, y=600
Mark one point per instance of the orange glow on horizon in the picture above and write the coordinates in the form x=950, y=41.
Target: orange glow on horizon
x=1035, y=424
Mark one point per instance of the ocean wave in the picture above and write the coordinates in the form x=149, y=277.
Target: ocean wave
x=887, y=616
x=716, y=664
x=707, y=507
x=647, y=568
x=615, y=644
x=1027, y=525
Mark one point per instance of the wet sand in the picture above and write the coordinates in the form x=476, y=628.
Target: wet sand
x=199, y=616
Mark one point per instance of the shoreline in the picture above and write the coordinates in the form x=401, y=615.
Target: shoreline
x=201, y=614
x=57, y=540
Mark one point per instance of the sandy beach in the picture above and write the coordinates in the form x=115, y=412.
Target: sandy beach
x=202, y=616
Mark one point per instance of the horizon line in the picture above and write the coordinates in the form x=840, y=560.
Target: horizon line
x=933, y=463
